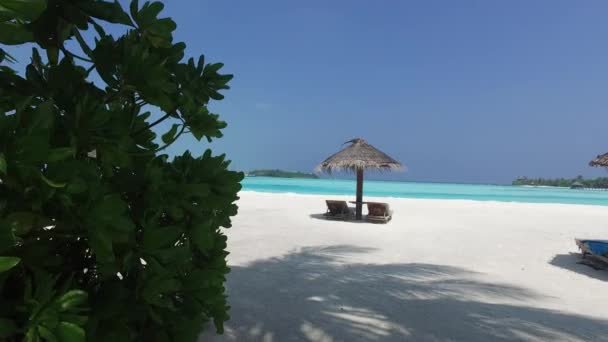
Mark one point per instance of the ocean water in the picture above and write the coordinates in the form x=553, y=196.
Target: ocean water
x=501, y=193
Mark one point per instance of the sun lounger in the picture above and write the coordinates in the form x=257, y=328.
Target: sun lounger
x=379, y=212
x=338, y=210
x=596, y=249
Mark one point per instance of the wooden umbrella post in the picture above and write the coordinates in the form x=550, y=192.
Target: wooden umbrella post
x=359, y=212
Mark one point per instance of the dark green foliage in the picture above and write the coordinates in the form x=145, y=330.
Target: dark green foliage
x=281, y=174
x=102, y=238
x=597, y=183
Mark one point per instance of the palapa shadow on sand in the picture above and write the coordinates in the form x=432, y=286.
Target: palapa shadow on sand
x=322, y=217
x=572, y=263
x=314, y=295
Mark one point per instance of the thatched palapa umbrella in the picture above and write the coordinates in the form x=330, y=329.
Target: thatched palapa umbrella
x=601, y=160
x=357, y=157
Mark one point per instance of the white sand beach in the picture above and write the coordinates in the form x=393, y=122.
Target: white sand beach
x=441, y=270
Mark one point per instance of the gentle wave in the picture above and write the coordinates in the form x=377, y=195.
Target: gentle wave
x=500, y=193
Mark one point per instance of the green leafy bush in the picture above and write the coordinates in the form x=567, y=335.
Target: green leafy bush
x=102, y=237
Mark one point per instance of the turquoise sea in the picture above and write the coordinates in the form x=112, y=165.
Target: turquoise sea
x=502, y=193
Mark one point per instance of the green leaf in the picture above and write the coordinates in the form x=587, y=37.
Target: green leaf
x=170, y=136
x=22, y=222
x=6, y=263
x=70, y=332
x=148, y=13
x=71, y=16
x=7, y=237
x=12, y=33
x=51, y=183
x=200, y=65
x=32, y=147
x=64, y=31
x=101, y=243
x=32, y=336
x=195, y=190
x=109, y=207
x=36, y=59
x=7, y=328
x=52, y=53
x=83, y=45
x=203, y=236
x=134, y=8
x=77, y=186
x=158, y=31
x=73, y=318
x=175, y=212
x=219, y=326
x=216, y=96
x=61, y=153
x=99, y=29
x=6, y=56
x=43, y=117
x=22, y=9
x=155, y=238
x=108, y=11
x=122, y=225
x=158, y=285
x=72, y=299
x=213, y=68
x=46, y=334
x=2, y=164
x=32, y=75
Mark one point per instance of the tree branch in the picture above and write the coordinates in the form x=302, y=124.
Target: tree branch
x=154, y=123
x=83, y=45
x=172, y=141
x=90, y=69
x=182, y=131
x=68, y=53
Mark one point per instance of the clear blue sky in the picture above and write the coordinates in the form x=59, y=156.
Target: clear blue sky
x=468, y=91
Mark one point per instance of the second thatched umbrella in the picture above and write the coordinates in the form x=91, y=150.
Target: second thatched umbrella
x=357, y=157
x=601, y=160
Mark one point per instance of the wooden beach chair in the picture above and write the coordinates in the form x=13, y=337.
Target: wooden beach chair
x=379, y=212
x=338, y=210
x=594, y=250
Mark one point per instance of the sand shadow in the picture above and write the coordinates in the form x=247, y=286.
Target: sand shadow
x=316, y=294
x=321, y=217
x=571, y=262
x=364, y=220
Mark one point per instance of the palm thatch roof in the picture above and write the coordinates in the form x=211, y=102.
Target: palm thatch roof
x=601, y=160
x=358, y=155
